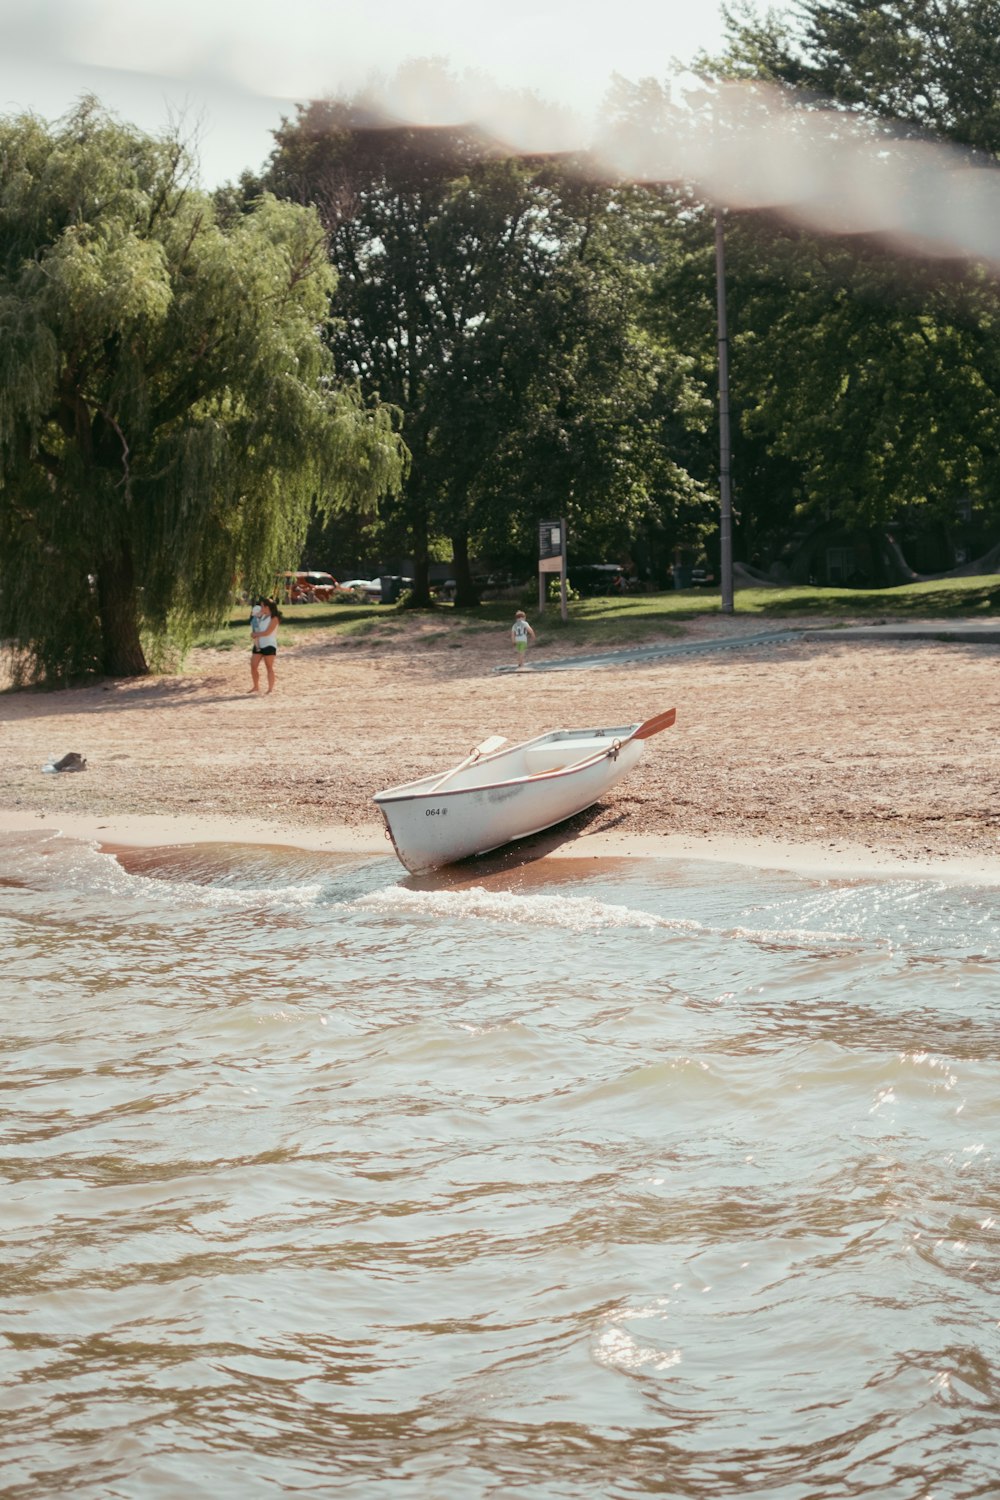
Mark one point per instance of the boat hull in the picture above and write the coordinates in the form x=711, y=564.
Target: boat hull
x=432, y=827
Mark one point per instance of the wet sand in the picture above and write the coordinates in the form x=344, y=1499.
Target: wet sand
x=829, y=755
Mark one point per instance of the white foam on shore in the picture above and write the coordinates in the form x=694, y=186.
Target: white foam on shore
x=576, y=913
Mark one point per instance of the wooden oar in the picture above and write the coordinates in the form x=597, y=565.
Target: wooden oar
x=493, y=743
x=654, y=725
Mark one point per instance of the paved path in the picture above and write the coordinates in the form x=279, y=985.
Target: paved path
x=654, y=653
x=915, y=630
x=978, y=631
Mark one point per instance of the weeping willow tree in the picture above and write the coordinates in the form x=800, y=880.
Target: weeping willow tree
x=169, y=413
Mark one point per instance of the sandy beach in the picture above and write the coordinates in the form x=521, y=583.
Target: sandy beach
x=831, y=755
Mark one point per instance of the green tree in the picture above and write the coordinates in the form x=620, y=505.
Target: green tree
x=865, y=382
x=881, y=386
x=486, y=297
x=169, y=411
x=609, y=429
x=933, y=65
x=410, y=282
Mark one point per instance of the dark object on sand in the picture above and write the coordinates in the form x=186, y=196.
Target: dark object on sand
x=70, y=762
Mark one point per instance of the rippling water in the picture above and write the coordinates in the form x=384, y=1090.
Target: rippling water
x=568, y=1179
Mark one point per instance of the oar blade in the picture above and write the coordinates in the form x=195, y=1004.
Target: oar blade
x=655, y=724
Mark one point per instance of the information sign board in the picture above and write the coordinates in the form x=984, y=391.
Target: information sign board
x=551, y=546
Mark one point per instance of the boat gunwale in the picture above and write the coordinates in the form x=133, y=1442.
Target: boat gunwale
x=410, y=791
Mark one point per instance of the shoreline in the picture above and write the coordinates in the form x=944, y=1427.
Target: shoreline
x=806, y=858
x=827, y=757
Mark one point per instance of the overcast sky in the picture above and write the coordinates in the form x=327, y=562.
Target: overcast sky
x=231, y=68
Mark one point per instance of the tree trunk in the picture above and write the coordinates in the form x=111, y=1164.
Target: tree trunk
x=121, y=647
x=894, y=567
x=420, y=594
x=466, y=593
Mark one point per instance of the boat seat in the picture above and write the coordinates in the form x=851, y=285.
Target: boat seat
x=559, y=753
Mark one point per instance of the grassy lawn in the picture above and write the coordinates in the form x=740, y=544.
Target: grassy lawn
x=966, y=598
x=638, y=617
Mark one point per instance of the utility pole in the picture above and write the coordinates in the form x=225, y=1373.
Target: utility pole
x=725, y=484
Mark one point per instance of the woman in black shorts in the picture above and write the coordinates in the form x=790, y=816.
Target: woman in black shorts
x=265, y=645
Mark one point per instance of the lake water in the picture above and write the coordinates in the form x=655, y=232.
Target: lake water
x=565, y=1179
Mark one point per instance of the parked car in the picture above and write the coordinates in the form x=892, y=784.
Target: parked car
x=306, y=587
x=700, y=576
x=369, y=589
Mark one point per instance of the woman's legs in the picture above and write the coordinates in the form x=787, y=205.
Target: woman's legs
x=255, y=671
x=269, y=669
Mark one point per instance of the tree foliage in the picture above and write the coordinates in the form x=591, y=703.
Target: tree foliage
x=882, y=386
x=169, y=411
x=486, y=297
x=932, y=65
x=867, y=381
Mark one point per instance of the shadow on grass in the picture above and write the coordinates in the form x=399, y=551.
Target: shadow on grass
x=914, y=601
x=341, y=614
x=295, y=619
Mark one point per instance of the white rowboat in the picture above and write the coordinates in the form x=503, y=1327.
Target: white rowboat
x=497, y=795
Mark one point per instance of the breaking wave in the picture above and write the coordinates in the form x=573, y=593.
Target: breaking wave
x=576, y=913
